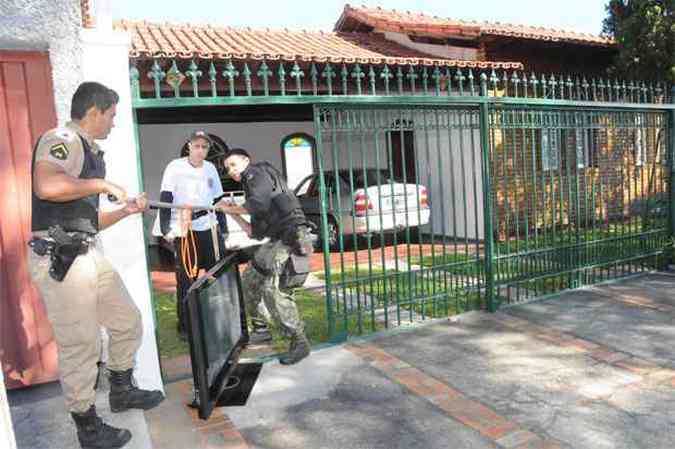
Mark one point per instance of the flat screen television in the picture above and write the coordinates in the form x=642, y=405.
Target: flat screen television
x=217, y=332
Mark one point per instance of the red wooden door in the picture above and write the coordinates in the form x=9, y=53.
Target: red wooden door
x=27, y=347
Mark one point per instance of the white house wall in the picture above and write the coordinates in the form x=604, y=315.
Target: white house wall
x=47, y=25
x=76, y=55
x=7, y=439
x=441, y=51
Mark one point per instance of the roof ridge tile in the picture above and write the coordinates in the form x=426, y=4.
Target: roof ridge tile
x=382, y=17
x=152, y=40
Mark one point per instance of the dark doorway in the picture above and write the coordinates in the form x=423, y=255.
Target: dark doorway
x=402, y=140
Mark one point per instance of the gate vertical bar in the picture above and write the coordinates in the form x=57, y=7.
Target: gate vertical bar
x=324, y=223
x=671, y=157
x=487, y=195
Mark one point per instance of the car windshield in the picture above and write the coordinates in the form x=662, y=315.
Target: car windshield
x=366, y=178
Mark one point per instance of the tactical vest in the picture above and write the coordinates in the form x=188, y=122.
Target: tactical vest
x=79, y=215
x=285, y=210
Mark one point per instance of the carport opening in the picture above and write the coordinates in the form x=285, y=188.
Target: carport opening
x=264, y=131
x=163, y=135
x=418, y=263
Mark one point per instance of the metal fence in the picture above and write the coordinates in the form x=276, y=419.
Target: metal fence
x=580, y=195
x=505, y=202
x=444, y=189
x=403, y=187
x=184, y=82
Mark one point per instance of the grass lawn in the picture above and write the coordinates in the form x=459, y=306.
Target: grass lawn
x=311, y=306
x=435, y=295
x=170, y=345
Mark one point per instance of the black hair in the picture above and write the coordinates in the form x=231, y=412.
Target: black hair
x=236, y=152
x=91, y=94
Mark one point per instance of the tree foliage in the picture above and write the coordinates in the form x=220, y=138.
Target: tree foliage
x=644, y=31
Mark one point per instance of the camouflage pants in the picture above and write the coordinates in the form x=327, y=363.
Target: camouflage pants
x=262, y=295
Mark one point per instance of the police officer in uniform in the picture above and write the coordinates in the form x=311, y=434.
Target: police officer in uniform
x=80, y=288
x=275, y=213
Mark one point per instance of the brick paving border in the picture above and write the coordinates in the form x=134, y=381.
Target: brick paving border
x=649, y=371
x=501, y=431
x=217, y=432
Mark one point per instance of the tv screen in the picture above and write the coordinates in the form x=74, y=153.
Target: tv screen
x=217, y=331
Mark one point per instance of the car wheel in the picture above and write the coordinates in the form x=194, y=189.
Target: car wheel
x=367, y=240
x=413, y=231
x=333, y=237
x=332, y=231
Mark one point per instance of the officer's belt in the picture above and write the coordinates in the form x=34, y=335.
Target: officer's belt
x=62, y=248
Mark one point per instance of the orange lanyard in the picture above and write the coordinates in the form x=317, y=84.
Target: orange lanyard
x=188, y=246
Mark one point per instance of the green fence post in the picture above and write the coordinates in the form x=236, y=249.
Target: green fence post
x=134, y=78
x=671, y=157
x=324, y=223
x=487, y=195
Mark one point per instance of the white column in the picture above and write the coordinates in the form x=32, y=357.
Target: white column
x=105, y=59
x=103, y=14
x=6, y=429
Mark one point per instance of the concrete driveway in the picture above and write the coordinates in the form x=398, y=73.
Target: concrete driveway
x=593, y=369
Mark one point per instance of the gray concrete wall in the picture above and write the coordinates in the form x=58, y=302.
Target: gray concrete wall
x=47, y=25
x=450, y=165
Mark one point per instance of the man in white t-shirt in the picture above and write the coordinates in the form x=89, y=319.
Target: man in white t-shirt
x=193, y=181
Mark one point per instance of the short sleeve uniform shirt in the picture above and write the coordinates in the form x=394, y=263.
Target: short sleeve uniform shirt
x=63, y=147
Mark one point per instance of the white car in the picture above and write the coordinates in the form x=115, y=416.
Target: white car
x=364, y=202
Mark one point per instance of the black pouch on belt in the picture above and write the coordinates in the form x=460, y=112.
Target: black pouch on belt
x=295, y=272
x=65, y=251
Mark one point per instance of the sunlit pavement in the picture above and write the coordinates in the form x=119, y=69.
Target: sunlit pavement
x=593, y=368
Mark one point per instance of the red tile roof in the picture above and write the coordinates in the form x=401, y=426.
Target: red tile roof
x=150, y=40
x=354, y=18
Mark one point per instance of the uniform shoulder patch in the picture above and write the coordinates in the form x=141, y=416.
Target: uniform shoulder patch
x=59, y=151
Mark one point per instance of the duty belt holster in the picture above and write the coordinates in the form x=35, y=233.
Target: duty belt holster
x=63, y=249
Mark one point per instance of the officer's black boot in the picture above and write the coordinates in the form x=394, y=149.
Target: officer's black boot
x=125, y=395
x=261, y=332
x=93, y=433
x=298, y=350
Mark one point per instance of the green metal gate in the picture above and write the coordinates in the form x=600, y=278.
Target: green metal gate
x=521, y=201
x=580, y=196
x=402, y=186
